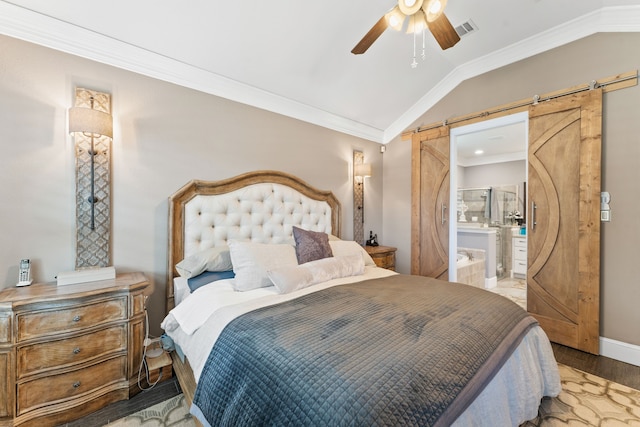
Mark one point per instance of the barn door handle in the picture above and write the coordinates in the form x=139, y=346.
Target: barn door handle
x=443, y=218
x=533, y=215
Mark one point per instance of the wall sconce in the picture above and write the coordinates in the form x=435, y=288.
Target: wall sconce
x=360, y=171
x=91, y=123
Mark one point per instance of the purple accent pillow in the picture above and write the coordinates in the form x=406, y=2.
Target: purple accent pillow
x=311, y=245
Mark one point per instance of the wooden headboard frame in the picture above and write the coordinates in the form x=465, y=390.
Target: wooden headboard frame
x=195, y=188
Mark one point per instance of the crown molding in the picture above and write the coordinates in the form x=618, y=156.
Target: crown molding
x=609, y=19
x=43, y=30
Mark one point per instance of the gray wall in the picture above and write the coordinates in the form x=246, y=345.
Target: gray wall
x=598, y=56
x=164, y=136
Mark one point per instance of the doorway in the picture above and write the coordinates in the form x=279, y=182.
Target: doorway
x=488, y=170
x=563, y=217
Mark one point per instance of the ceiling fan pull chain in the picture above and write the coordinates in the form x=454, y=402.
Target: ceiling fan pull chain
x=424, y=52
x=414, y=64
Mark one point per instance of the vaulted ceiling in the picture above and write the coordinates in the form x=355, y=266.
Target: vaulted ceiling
x=294, y=57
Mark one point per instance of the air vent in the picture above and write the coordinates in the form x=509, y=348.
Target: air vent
x=466, y=28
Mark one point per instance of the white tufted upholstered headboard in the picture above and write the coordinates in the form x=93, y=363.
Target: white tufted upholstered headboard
x=261, y=206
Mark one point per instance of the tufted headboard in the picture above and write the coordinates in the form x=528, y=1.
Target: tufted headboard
x=260, y=206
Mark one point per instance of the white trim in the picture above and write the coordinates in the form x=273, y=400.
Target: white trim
x=619, y=350
x=491, y=282
x=33, y=27
x=21, y=23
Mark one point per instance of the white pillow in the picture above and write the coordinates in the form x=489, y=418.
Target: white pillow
x=213, y=259
x=350, y=247
x=289, y=279
x=251, y=261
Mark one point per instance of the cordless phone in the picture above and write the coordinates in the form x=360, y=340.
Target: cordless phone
x=24, y=277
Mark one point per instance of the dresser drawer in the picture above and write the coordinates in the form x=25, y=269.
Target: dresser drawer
x=59, y=353
x=70, y=318
x=63, y=387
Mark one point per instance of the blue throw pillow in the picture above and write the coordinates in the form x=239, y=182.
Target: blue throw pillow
x=208, y=277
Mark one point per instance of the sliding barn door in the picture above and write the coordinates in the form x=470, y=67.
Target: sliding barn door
x=563, y=277
x=430, y=203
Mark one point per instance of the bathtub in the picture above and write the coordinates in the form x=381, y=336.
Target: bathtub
x=470, y=266
x=461, y=258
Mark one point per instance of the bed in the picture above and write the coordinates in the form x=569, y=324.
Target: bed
x=277, y=320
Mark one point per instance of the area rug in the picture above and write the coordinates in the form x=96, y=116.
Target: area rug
x=170, y=413
x=588, y=400
x=585, y=400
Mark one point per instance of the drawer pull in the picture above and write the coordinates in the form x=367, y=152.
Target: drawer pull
x=76, y=384
x=76, y=350
x=77, y=318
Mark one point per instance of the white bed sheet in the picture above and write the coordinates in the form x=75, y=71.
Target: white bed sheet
x=511, y=398
x=180, y=289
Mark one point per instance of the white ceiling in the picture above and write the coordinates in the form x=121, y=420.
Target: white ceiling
x=293, y=57
x=502, y=143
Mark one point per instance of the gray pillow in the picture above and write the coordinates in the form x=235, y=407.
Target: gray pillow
x=212, y=259
x=311, y=245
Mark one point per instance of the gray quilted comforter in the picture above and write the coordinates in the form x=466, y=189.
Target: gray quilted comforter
x=403, y=350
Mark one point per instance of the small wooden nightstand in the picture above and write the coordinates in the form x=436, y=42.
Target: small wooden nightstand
x=383, y=256
x=67, y=351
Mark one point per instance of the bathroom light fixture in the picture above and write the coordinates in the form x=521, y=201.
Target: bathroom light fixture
x=93, y=124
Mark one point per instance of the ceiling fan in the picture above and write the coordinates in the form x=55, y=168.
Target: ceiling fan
x=422, y=14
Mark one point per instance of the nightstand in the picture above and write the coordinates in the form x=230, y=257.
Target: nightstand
x=383, y=256
x=67, y=351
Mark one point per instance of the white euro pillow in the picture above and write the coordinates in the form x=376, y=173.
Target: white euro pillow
x=251, y=261
x=350, y=247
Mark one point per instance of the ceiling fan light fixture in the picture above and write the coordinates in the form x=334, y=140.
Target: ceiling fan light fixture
x=417, y=23
x=395, y=18
x=434, y=9
x=409, y=7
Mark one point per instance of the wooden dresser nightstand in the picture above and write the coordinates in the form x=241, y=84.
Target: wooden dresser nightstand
x=67, y=351
x=383, y=256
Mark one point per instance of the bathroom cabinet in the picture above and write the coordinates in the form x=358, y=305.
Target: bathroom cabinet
x=519, y=257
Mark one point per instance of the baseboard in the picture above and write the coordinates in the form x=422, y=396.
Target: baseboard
x=618, y=350
x=491, y=282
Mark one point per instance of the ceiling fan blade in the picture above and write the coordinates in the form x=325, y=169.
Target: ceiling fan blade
x=444, y=32
x=370, y=37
